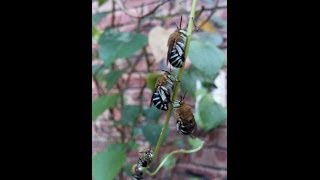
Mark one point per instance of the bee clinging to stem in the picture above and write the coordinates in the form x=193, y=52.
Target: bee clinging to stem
x=145, y=157
x=161, y=95
x=186, y=123
x=176, y=46
x=136, y=172
x=144, y=161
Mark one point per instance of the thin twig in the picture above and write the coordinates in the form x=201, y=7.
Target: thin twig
x=112, y=15
x=213, y=10
x=139, y=20
x=143, y=16
x=199, y=13
x=134, y=7
x=133, y=69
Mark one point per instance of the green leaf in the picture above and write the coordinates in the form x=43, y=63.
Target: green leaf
x=211, y=113
x=129, y=114
x=188, y=81
x=152, y=79
x=220, y=23
x=179, y=143
x=201, y=92
x=114, y=45
x=127, y=169
x=206, y=57
x=102, y=103
x=170, y=162
x=214, y=38
x=107, y=164
x=112, y=78
x=95, y=68
x=195, y=143
x=137, y=131
x=152, y=114
x=96, y=18
x=132, y=145
x=102, y=2
x=152, y=132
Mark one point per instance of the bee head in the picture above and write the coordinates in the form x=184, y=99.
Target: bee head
x=169, y=75
x=178, y=103
x=148, y=152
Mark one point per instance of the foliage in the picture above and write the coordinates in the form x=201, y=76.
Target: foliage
x=106, y=164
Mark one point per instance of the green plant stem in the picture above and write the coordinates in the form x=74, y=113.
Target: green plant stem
x=181, y=70
x=172, y=153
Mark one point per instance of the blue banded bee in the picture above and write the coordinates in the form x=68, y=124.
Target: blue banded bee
x=145, y=158
x=186, y=123
x=136, y=172
x=176, y=46
x=144, y=161
x=161, y=96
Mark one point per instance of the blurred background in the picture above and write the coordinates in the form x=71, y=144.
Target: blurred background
x=129, y=48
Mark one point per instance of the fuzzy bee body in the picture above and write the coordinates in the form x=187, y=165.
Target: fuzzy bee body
x=161, y=98
x=163, y=90
x=136, y=172
x=145, y=158
x=186, y=123
x=143, y=161
x=176, y=47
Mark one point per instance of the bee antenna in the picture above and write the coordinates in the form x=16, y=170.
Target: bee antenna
x=180, y=21
x=184, y=95
x=176, y=25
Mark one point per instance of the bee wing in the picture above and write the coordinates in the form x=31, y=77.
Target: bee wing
x=153, y=91
x=171, y=45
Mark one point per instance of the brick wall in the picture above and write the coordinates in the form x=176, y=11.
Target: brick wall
x=208, y=163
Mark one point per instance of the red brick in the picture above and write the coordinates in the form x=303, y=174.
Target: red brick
x=137, y=80
x=132, y=96
x=222, y=137
x=142, y=65
x=98, y=146
x=209, y=173
x=136, y=3
x=211, y=138
x=120, y=18
x=224, y=124
x=210, y=157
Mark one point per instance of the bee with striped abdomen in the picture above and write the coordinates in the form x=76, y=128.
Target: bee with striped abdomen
x=145, y=157
x=176, y=46
x=136, y=172
x=186, y=123
x=163, y=89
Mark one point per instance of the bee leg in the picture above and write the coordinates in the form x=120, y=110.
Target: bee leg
x=195, y=27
